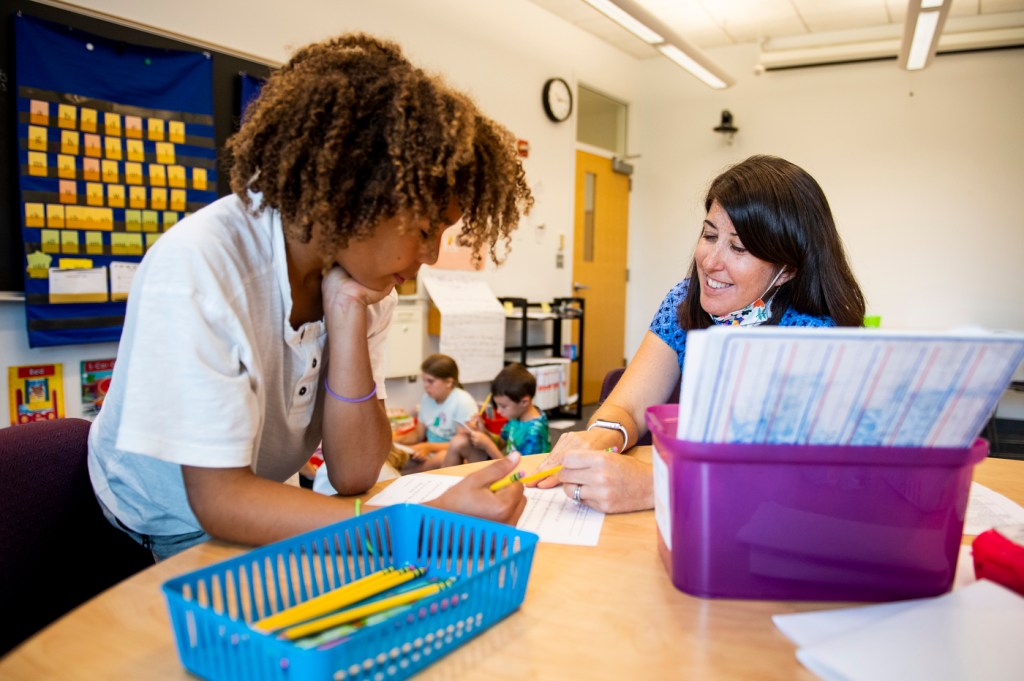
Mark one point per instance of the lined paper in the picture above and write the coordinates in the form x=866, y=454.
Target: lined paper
x=847, y=386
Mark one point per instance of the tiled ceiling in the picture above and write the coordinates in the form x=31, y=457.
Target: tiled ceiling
x=717, y=23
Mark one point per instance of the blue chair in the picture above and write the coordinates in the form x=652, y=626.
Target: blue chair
x=56, y=548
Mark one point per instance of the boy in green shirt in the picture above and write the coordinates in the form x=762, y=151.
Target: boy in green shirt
x=526, y=431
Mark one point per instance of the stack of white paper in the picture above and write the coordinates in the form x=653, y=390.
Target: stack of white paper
x=970, y=633
x=843, y=386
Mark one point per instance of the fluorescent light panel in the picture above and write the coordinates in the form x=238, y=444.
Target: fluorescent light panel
x=691, y=65
x=626, y=21
x=924, y=35
x=648, y=28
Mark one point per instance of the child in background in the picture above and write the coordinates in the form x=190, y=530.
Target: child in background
x=444, y=405
x=527, y=428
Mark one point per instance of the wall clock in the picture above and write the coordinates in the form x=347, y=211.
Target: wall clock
x=557, y=99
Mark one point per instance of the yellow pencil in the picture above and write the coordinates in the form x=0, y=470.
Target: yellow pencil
x=361, y=611
x=487, y=400
x=541, y=475
x=356, y=591
x=518, y=477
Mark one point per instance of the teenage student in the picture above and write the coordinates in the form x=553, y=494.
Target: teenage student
x=444, y=405
x=526, y=432
x=255, y=327
x=768, y=253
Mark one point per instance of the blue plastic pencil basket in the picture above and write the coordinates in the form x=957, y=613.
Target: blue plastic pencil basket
x=211, y=609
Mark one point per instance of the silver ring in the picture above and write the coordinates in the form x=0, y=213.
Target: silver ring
x=576, y=494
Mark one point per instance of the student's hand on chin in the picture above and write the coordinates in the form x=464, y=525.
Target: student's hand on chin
x=338, y=286
x=473, y=496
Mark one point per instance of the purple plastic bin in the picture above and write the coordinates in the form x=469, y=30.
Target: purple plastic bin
x=808, y=522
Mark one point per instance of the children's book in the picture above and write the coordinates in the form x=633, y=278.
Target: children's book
x=96, y=375
x=35, y=393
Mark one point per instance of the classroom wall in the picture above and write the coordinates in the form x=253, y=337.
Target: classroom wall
x=922, y=170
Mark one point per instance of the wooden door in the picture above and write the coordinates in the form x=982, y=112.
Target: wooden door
x=601, y=228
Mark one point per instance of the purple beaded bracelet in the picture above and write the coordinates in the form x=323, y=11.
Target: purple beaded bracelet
x=348, y=399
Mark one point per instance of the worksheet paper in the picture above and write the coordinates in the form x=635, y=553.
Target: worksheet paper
x=847, y=386
x=970, y=633
x=549, y=513
x=987, y=508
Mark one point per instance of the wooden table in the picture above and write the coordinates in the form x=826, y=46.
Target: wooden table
x=605, y=612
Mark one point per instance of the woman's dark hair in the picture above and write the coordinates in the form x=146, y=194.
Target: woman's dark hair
x=441, y=366
x=782, y=217
x=514, y=382
x=349, y=133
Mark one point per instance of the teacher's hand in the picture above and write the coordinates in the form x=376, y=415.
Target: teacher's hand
x=607, y=481
x=577, y=440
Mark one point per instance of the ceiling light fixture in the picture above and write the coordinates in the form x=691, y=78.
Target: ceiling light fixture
x=648, y=28
x=925, y=19
x=626, y=21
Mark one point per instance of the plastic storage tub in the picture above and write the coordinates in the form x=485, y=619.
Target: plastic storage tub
x=806, y=522
x=211, y=608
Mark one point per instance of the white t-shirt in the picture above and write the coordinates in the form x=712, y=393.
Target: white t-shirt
x=209, y=370
x=441, y=419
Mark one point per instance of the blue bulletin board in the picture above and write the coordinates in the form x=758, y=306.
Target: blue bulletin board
x=61, y=74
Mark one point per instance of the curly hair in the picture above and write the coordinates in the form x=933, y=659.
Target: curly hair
x=349, y=133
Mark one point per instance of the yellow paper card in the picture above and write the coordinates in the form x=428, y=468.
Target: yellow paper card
x=177, y=199
x=54, y=215
x=157, y=175
x=91, y=169
x=176, y=176
x=94, y=193
x=133, y=220
x=68, y=243
x=158, y=198
x=67, y=116
x=136, y=150
x=133, y=127
x=125, y=244
x=65, y=167
x=176, y=131
x=115, y=195
x=35, y=215
x=150, y=221
x=164, y=152
x=49, y=240
x=37, y=138
x=39, y=112
x=93, y=145
x=199, y=178
x=94, y=243
x=69, y=142
x=74, y=217
x=104, y=219
x=155, y=127
x=112, y=124
x=37, y=164
x=111, y=171
x=150, y=240
x=137, y=197
x=38, y=266
x=68, y=191
x=170, y=219
x=113, y=147
x=87, y=120
x=133, y=173
x=74, y=263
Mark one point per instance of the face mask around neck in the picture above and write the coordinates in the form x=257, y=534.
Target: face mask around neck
x=758, y=312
